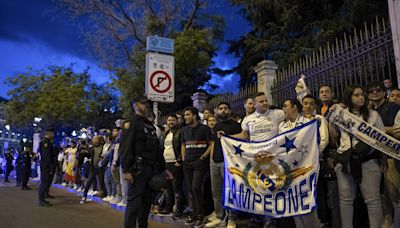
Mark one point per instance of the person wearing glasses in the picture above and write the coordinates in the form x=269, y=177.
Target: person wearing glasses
x=390, y=114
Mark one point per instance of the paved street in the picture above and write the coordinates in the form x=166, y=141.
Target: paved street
x=19, y=209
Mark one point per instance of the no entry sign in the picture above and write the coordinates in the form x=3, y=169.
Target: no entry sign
x=160, y=77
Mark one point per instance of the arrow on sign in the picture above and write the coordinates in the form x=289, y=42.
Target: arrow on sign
x=160, y=80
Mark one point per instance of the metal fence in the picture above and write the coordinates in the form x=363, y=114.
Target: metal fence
x=359, y=58
x=236, y=101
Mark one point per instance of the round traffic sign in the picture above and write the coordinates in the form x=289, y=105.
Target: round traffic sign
x=160, y=81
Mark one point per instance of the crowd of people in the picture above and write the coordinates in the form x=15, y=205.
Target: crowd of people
x=178, y=169
x=192, y=154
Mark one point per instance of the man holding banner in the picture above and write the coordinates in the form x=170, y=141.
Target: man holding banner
x=292, y=108
x=261, y=125
x=274, y=178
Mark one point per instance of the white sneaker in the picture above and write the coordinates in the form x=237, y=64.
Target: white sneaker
x=106, y=199
x=64, y=184
x=95, y=193
x=121, y=204
x=75, y=187
x=90, y=193
x=116, y=200
x=211, y=216
x=213, y=223
x=231, y=224
x=83, y=200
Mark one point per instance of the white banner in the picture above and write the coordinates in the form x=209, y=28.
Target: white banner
x=366, y=132
x=275, y=178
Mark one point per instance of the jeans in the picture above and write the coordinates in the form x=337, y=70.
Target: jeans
x=109, y=182
x=391, y=193
x=175, y=190
x=94, y=173
x=124, y=186
x=195, y=172
x=370, y=186
x=217, y=182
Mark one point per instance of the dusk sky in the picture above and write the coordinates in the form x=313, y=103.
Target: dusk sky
x=33, y=35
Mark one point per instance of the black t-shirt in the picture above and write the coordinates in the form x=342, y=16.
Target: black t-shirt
x=196, y=141
x=230, y=127
x=388, y=112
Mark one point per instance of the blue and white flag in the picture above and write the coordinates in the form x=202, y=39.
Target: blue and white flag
x=275, y=178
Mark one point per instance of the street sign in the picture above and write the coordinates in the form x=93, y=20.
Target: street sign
x=160, y=44
x=160, y=80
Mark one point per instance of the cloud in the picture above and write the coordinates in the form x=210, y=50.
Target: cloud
x=22, y=20
x=16, y=57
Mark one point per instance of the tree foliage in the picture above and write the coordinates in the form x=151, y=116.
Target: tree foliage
x=58, y=95
x=117, y=36
x=289, y=29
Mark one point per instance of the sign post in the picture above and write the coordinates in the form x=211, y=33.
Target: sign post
x=160, y=80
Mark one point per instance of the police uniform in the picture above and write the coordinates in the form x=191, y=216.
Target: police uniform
x=141, y=155
x=46, y=164
x=26, y=167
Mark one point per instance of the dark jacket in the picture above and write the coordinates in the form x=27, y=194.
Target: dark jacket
x=176, y=142
x=47, y=153
x=139, y=139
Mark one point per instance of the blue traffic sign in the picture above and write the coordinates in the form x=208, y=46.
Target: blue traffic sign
x=160, y=44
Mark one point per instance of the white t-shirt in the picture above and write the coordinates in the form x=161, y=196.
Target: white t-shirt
x=169, y=154
x=263, y=126
x=289, y=125
x=374, y=119
x=323, y=128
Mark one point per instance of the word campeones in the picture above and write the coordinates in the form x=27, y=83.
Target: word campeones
x=295, y=200
x=378, y=136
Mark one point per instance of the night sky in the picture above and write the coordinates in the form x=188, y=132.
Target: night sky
x=33, y=34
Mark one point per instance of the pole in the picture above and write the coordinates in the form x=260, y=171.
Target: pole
x=394, y=14
x=155, y=109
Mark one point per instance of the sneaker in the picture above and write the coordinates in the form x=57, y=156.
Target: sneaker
x=177, y=214
x=199, y=222
x=75, y=187
x=191, y=219
x=231, y=224
x=95, y=193
x=83, y=200
x=164, y=212
x=64, y=184
x=116, y=200
x=154, y=209
x=106, y=199
x=121, y=204
x=213, y=223
x=211, y=216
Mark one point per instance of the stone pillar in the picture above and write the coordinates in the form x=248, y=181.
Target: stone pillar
x=266, y=74
x=36, y=142
x=199, y=100
x=394, y=14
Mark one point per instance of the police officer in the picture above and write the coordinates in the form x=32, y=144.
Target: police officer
x=26, y=166
x=141, y=160
x=46, y=164
x=9, y=158
x=18, y=168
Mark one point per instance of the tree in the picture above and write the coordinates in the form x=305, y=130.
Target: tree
x=117, y=36
x=60, y=96
x=287, y=30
